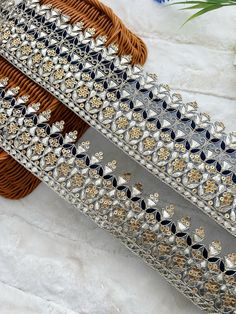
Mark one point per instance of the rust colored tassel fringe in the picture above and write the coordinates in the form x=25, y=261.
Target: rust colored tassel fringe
x=15, y=181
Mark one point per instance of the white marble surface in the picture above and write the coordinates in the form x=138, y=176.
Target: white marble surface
x=52, y=258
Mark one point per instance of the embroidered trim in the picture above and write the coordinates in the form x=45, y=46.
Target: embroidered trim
x=200, y=273
x=170, y=139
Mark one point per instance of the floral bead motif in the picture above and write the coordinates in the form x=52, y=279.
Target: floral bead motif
x=122, y=122
x=25, y=138
x=194, y=176
x=135, y=133
x=179, y=164
x=64, y=169
x=149, y=143
x=91, y=191
x=12, y=128
x=51, y=159
x=59, y=74
x=83, y=91
x=77, y=180
x=226, y=199
x=96, y=102
x=210, y=186
x=38, y=148
x=163, y=153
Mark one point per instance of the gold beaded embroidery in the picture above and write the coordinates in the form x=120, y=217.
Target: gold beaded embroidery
x=135, y=133
x=149, y=143
x=51, y=159
x=77, y=180
x=194, y=176
x=122, y=122
x=210, y=186
x=163, y=153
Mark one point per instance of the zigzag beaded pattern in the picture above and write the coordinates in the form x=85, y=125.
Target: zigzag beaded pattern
x=200, y=273
x=169, y=138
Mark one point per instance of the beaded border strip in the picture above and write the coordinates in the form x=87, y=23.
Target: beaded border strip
x=149, y=231
x=169, y=138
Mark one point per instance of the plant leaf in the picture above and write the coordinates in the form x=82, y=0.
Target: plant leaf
x=198, y=6
x=211, y=8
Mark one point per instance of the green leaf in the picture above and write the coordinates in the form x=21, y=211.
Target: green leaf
x=205, y=6
x=198, y=6
x=208, y=9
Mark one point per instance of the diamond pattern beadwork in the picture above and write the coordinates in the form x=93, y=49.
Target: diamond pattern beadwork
x=204, y=276
x=126, y=105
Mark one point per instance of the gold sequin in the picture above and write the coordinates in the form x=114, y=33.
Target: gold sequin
x=122, y=122
x=54, y=142
x=86, y=77
x=164, y=248
x=51, y=159
x=96, y=102
x=180, y=147
x=211, y=169
x=210, y=186
x=149, y=236
x=151, y=126
x=91, y=191
x=26, y=50
x=226, y=199
x=51, y=52
x=77, y=180
x=12, y=128
x=37, y=58
x=70, y=82
x=229, y=300
x=111, y=96
x=83, y=91
x=179, y=164
x=109, y=112
x=3, y=118
x=48, y=66
x=227, y=180
x=179, y=260
x=194, y=176
x=25, y=138
x=59, y=74
x=135, y=133
x=106, y=202
x=149, y=143
x=163, y=153
x=165, y=137
x=134, y=225
x=212, y=287
x=64, y=169
x=41, y=132
x=38, y=148
x=119, y=213
x=196, y=158
x=16, y=42
x=98, y=87
x=195, y=273
x=6, y=35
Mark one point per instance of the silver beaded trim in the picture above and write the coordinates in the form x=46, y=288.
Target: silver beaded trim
x=149, y=231
x=169, y=138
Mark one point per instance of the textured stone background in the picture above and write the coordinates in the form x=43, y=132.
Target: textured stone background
x=52, y=258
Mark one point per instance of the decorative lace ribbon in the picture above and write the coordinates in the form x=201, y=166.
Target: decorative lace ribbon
x=149, y=231
x=169, y=138
x=15, y=181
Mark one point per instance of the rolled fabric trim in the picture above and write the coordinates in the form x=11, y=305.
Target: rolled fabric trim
x=169, y=138
x=15, y=181
x=149, y=231
x=93, y=13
